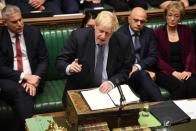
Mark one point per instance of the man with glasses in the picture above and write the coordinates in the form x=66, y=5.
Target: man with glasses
x=144, y=43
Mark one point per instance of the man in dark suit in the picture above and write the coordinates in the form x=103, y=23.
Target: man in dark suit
x=37, y=5
x=79, y=60
x=126, y=5
x=144, y=44
x=23, y=63
x=74, y=6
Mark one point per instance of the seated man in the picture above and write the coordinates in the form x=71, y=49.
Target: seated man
x=23, y=63
x=164, y=3
x=143, y=41
x=126, y=5
x=74, y=6
x=96, y=57
x=37, y=5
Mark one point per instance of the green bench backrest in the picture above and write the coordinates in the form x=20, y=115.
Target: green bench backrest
x=157, y=24
x=54, y=39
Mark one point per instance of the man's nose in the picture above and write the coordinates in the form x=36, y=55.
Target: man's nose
x=103, y=35
x=19, y=23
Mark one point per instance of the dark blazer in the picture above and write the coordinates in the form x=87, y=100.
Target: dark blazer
x=186, y=39
x=50, y=5
x=148, y=53
x=36, y=51
x=81, y=45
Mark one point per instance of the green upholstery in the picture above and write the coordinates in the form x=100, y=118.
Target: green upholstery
x=51, y=98
x=155, y=24
x=54, y=41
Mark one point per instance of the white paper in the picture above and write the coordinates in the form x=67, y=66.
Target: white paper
x=188, y=106
x=97, y=100
x=130, y=97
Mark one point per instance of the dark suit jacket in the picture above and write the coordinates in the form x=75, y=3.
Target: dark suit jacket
x=81, y=45
x=36, y=51
x=186, y=39
x=50, y=5
x=148, y=53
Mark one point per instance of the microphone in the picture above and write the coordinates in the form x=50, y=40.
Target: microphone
x=117, y=84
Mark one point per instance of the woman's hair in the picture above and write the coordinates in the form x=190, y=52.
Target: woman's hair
x=107, y=19
x=8, y=10
x=178, y=5
x=87, y=17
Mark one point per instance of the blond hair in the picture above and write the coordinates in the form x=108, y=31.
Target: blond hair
x=178, y=5
x=107, y=19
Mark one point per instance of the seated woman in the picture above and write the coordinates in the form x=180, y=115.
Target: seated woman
x=164, y=3
x=176, y=57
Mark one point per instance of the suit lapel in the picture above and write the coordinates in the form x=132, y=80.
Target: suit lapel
x=28, y=42
x=91, y=50
x=111, y=57
x=142, y=42
x=8, y=46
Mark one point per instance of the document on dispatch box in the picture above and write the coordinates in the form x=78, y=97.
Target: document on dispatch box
x=188, y=106
x=130, y=96
x=97, y=100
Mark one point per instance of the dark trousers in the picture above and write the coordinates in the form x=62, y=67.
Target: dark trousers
x=178, y=89
x=144, y=86
x=21, y=102
x=123, y=5
x=74, y=6
x=50, y=5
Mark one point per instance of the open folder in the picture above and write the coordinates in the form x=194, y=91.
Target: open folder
x=97, y=100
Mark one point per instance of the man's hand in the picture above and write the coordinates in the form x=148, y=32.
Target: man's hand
x=32, y=79
x=29, y=88
x=105, y=87
x=134, y=68
x=37, y=4
x=94, y=1
x=152, y=75
x=185, y=2
x=75, y=67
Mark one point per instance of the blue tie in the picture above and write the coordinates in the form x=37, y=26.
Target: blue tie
x=99, y=65
x=137, y=46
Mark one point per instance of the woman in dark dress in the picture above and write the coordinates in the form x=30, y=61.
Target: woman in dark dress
x=176, y=57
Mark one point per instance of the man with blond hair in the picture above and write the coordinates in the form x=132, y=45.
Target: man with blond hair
x=96, y=57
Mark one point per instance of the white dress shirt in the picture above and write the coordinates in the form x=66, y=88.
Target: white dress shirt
x=25, y=60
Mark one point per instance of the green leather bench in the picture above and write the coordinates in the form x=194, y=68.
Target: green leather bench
x=51, y=99
x=155, y=24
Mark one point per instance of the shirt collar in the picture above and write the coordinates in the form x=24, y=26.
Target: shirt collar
x=132, y=32
x=12, y=35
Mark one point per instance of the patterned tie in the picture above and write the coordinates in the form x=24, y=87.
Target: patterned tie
x=18, y=53
x=99, y=65
x=137, y=46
